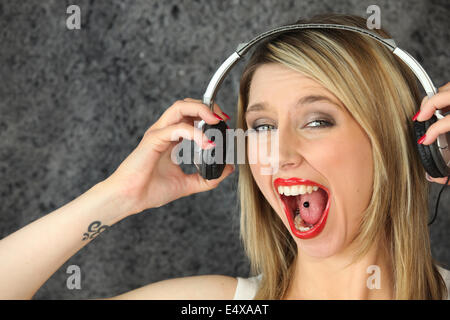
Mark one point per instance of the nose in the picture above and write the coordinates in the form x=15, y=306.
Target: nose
x=289, y=155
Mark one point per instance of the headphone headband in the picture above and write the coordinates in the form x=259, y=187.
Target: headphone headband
x=243, y=48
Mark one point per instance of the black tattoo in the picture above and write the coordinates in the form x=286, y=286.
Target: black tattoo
x=94, y=230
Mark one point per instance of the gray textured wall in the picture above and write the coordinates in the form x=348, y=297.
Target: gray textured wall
x=74, y=104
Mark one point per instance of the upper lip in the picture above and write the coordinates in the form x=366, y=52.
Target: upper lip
x=297, y=181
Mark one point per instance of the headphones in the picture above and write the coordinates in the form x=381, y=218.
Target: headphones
x=435, y=157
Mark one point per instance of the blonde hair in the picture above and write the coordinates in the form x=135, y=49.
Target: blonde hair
x=381, y=94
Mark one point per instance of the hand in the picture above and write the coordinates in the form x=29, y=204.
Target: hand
x=148, y=177
x=441, y=101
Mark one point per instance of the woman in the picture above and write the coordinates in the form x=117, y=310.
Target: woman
x=341, y=105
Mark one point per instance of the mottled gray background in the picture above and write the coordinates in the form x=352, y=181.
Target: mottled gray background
x=74, y=104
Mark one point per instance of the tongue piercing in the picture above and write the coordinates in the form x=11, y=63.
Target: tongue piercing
x=306, y=204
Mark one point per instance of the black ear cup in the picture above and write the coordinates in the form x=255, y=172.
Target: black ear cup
x=430, y=155
x=211, y=162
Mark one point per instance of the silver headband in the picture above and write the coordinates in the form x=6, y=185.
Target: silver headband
x=243, y=48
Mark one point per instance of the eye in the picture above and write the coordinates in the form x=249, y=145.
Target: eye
x=324, y=123
x=260, y=127
x=317, y=124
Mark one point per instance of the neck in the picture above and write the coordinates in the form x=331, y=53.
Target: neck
x=337, y=277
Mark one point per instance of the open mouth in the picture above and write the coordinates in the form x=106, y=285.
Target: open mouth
x=306, y=205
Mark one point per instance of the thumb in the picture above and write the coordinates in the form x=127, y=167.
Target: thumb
x=196, y=183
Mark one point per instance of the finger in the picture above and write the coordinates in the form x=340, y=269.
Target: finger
x=423, y=101
x=436, y=180
x=445, y=87
x=196, y=183
x=161, y=139
x=181, y=109
x=436, y=129
x=201, y=103
x=440, y=101
x=217, y=109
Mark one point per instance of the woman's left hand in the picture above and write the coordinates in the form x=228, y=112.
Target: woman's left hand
x=441, y=101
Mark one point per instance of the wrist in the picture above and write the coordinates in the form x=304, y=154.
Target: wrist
x=124, y=205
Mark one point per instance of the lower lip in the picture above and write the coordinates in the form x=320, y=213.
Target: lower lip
x=318, y=227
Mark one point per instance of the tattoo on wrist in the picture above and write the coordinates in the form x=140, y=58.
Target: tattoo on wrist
x=94, y=229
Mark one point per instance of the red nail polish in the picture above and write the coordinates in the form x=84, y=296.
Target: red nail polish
x=415, y=116
x=208, y=144
x=228, y=117
x=422, y=139
x=217, y=116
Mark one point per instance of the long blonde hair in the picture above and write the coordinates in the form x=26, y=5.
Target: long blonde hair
x=382, y=95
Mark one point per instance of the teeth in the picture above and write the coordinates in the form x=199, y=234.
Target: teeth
x=296, y=190
x=287, y=191
x=302, y=189
x=298, y=224
x=281, y=190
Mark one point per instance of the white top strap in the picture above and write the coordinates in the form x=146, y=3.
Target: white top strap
x=446, y=276
x=246, y=288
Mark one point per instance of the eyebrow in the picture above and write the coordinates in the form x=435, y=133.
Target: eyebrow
x=302, y=101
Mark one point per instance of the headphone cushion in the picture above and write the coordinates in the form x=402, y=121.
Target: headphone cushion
x=420, y=129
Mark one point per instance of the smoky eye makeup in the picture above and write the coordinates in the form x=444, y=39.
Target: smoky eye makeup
x=311, y=120
x=310, y=116
x=319, y=117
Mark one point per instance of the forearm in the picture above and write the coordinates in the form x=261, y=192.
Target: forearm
x=29, y=256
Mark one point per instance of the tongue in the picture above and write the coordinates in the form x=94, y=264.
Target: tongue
x=317, y=202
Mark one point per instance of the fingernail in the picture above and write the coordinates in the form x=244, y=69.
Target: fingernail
x=217, y=116
x=415, y=116
x=428, y=177
x=208, y=144
x=422, y=139
x=228, y=117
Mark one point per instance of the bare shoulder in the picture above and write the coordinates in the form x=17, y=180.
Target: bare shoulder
x=204, y=287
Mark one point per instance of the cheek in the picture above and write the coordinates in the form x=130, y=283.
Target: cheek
x=259, y=160
x=264, y=183
x=348, y=167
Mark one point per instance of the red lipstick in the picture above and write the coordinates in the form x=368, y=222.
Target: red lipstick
x=318, y=227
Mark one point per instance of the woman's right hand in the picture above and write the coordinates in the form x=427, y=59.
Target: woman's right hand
x=148, y=177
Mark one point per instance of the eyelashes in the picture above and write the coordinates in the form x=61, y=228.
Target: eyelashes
x=322, y=124
x=325, y=122
x=257, y=128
